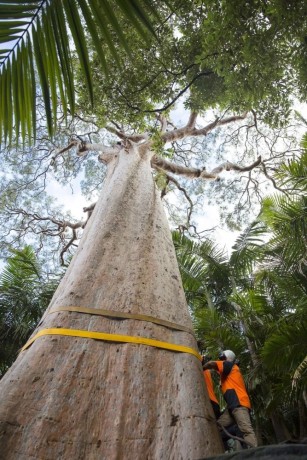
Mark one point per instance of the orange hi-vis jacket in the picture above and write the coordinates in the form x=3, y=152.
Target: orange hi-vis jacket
x=209, y=385
x=232, y=384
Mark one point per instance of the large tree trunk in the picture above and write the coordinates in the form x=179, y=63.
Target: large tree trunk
x=76, y=398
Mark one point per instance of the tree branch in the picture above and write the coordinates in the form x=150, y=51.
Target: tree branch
x=57, y=227
x=67, y=246
x=192, y=120
x=160, y=163
x=190, y=130
x=227, y=166
x=183, y=190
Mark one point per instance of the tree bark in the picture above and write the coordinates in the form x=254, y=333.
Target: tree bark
x=77, y=398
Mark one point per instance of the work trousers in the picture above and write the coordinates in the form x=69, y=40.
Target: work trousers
x=240, y=416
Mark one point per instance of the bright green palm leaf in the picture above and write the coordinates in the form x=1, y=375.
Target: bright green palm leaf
x=27, y=88
x=22, y=21
x=42, y=72
x=100, y=17
x=5, y=33
x=9, y=8
x=76, y=28
x=3, y=25
x=94, y=34
x=15, y=96
x=136, y=14
x=54, y=65
x=62, y=45
x=3, y=95
x=21, y=93
x=50, y=65
x=32, y=87
x=111, y=17
x=8, y=99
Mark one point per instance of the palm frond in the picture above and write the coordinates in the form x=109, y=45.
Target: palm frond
x=24, y=295
x=287, y=217
x=300, y=373
x=293, y=174
x=285, y=349
x=43, y=26
x=248, y=248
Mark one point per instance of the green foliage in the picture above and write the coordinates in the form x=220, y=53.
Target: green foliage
x=238, y=55
x=254, y=49
x=25, y=293
x=43, y=26
x=258, y=300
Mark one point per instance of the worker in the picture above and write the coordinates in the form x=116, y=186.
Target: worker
x=235, y=395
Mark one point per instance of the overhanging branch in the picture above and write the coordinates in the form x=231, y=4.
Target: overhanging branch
x=190, y=130
x=51, y=226
x=165, y=165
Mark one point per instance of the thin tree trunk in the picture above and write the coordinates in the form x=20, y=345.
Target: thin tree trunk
x=75, y=398
x=250, y=345
x=281, y=431
x=302, y=412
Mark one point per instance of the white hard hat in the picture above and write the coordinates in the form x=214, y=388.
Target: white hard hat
x=229, y=355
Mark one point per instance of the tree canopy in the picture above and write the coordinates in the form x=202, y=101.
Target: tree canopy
x=243, y=55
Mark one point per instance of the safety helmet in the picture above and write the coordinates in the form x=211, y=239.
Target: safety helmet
x=227, y=354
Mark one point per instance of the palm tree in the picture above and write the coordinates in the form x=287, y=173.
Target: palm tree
x=24, y=295
x=264, y=309
x=37, y=37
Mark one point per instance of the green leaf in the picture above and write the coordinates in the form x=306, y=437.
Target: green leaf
x=100, y=17
x=21, y=91
x=62, y=45
x=110, y=16
x=133, y=10
x=27, y=89
x=76, y=28
x=94, y=34
x=50, y=64
x=8, y=101
x=8, y=9
x=15, y=95
x=9, y=32
x=38, y=37
x=3, y=95
x=20, y=25
x=54, y=66
x=32, y=85
x=4, y=25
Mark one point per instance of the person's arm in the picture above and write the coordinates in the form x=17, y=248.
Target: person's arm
x=210, y=365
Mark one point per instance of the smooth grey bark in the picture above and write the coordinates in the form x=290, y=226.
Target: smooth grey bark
x=76, y=398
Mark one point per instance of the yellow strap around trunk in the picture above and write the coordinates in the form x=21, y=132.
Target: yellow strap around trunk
x=121, y=315
x=112, y=338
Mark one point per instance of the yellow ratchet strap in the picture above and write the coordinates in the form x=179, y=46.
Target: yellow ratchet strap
x=112, y=338
x=120, y=315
